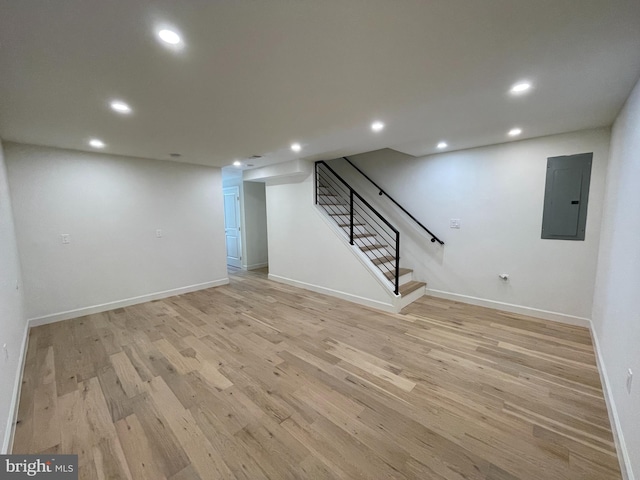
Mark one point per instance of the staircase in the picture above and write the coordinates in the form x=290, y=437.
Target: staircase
x=373, y=236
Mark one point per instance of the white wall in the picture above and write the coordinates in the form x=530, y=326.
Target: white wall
x=255, y=219
x=111, y=206
x=497, y=193
x=12, y=319
x=616, y=306
x=305, y=251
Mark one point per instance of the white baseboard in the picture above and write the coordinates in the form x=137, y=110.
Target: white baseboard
x=621, y=447
x=509, y=307
x=255, y=266
x=7, y=444
x=81, y=312
x=386, y=307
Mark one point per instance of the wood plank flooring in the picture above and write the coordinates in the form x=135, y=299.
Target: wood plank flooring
x=260, y=380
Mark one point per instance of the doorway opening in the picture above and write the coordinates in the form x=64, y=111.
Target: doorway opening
x=245, y=221
x=232, y=226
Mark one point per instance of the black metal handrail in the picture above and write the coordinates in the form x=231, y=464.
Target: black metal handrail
x=366, y=225
x=382, y=192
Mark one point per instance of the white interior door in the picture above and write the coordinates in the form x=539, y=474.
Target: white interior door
x=232, y=225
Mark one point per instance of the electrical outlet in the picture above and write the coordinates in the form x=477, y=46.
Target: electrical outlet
x=629, y=380
x=66, y=238
x=159, y=233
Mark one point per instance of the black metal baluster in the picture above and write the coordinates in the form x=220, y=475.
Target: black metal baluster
x=317, y=183
x=397, y=262
x=351, y=216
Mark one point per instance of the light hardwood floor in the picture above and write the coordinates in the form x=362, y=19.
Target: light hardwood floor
x=260, y=380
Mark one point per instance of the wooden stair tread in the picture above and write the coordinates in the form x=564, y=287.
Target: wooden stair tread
x=381, y=260
x=409, y=287
x=348, y=225
x=392, y=275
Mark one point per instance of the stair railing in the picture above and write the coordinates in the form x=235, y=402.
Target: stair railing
x=365, y=227
x=382, y=192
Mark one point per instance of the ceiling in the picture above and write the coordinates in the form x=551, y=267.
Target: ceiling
x=255, y=76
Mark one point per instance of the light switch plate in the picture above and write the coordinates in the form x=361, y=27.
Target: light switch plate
x=454, y=223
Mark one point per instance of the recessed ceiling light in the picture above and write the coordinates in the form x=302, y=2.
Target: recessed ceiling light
x=169, y=36
x=520, y=88
x=237, y=163
x=442, y=145
x=514, y=132
x=96, y=143
x=120, y=107
x=377, y=126
x=296, y=147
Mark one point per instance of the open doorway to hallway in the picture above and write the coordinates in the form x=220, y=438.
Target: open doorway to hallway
x=232, y=225
x=245, y=211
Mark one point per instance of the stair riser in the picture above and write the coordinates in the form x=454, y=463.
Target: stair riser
x=406, y=278
x=412, y=297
